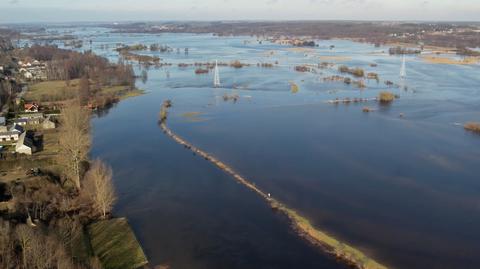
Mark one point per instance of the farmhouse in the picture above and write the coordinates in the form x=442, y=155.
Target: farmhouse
x=30, y=107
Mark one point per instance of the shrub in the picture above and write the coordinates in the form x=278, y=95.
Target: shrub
x=343, y=69
x=302, y=68
x=199, y=71
x=237, y=64
x=386, y=97
x=358, y=72
x=367, y=109
x=472, y=126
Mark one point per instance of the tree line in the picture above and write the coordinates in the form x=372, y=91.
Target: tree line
x=67, y=65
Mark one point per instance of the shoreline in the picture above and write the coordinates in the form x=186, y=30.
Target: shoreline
x=298, y=223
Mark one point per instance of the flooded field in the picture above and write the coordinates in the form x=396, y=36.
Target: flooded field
x=400, y=182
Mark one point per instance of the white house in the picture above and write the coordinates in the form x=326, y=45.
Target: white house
x=16, y=129
x=28, y=75
x=24, y=145
x=48, y=124
x=9, y=136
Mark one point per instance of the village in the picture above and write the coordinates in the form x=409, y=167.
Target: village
x=21, y=126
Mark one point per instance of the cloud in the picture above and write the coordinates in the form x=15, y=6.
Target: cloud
x=13, y=2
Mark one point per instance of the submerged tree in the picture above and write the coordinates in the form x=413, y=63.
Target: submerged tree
x=99, y=187
x=24, y=236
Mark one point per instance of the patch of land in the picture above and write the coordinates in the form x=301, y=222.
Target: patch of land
x=115, y=244
x=59, y=91
x=449, y=60
x=301, y=50
x=334, y=58
x=438, y=34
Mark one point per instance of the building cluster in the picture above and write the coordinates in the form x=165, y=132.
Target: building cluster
x=16, y=133
x=297, y=42
x=34, y=70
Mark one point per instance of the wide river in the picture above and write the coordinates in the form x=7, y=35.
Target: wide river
x=401, y=183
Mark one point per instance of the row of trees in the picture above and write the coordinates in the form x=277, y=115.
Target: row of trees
x=74, y=144
x=68, y=65
x=7, y=87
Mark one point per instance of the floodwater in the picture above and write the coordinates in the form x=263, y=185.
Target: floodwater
x=401, y=183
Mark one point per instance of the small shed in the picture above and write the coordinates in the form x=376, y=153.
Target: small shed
x=24, y=145
x=48, y=123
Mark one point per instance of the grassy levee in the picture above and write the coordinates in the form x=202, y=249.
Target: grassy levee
x=115, y=244
x=300, y=224
x=80, y=248
x=330, y=244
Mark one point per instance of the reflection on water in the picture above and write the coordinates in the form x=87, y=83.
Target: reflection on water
x=403, y=189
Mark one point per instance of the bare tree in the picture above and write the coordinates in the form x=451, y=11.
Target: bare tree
x=84, y=91
x=7, y=257
x=99, y=187
x=74, y=141
x=24, y=235
x=45, y=251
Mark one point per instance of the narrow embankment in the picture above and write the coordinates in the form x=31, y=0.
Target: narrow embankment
x=301, y=225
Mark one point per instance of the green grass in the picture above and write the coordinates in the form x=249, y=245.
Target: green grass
x=121, y=92
x=115, y=244
x=55, y=90
x=133, y=93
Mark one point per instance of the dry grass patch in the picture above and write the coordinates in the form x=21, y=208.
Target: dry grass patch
x=472, y=127
x=447, y=60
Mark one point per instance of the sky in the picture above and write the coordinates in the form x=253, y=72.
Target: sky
x=14, y=11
